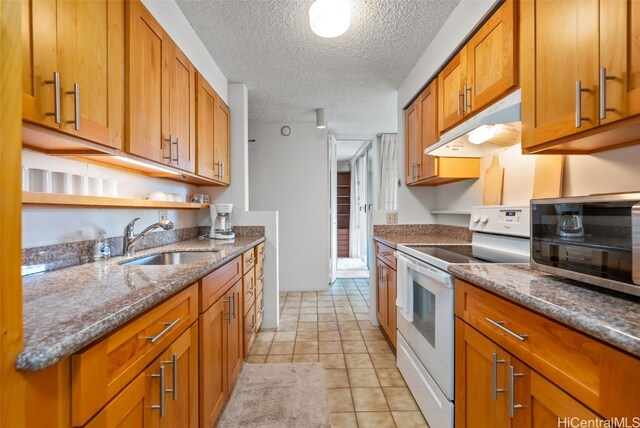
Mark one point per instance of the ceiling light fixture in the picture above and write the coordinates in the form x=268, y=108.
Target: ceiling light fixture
x=330, y=18
x=482, y=134
x=321, y=123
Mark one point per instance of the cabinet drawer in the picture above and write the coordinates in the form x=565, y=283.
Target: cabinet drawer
x=101, y=371
x=214, y=285
x=250, y=328
x=248, y=260
x=589, y=370
x=249, y=290
x=386, y=253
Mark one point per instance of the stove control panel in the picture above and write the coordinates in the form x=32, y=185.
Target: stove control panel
x=501, y=220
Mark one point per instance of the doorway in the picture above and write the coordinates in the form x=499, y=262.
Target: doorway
x=353, y=202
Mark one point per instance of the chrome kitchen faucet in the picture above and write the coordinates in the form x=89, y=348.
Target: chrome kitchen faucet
x=131, y=241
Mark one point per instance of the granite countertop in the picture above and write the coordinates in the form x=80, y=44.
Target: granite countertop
x=68, y=309
x=611, y=317
x=421, y=234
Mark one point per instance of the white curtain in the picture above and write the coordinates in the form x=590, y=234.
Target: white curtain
x=362, y=200
x=388, y=172
x=354, y=223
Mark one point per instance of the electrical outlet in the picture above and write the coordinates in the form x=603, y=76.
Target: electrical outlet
x=163, y=215
x=392, y=218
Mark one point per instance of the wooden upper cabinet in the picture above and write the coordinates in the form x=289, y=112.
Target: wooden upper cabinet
x=222, y=141
x=213, y=137
x=148, y=50
x=429, y=130
x=182, y=110
x=451, y=81
x=73, y=68
x=412, y=142
x=490, y=55
x=160, y=93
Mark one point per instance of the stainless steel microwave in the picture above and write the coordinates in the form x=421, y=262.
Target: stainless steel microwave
x=594, y=239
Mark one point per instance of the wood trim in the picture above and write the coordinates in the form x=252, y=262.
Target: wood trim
x=12, y=383
x=35, y=198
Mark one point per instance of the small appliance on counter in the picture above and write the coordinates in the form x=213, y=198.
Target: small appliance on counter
x=594, y=239
x=222, y=227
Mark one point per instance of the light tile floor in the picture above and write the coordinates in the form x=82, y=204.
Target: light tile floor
x=364, y=386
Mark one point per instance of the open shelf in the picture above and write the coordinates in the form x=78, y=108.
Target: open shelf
x=35, y=198
x=461, y=211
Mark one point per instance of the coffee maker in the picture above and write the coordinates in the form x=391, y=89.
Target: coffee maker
x=221, y=227
x=569, y=221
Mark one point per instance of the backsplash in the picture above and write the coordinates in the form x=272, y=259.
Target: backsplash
x=76, y=253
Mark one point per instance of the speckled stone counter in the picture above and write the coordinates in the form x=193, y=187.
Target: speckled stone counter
x=612, y=318
x=68, y=309
x=421, y=234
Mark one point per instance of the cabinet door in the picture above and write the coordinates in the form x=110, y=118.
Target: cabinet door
x=392, y=320
x=619, y=78
x=381, y=293
x=451, y=80
x=549, y=406
x=560, y=41
x=235, y=336
x=91, y=63
x=213, y=354
x=131, y=408
x=148, y=48
x=222, y=140
x=39, y=62
x=412, y=141
x=491, y=62
x=182, y=110
x=429, y=130
x=205, y=129
x=481, y=380
x=181, y=362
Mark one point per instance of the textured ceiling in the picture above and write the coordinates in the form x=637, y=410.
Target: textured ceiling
x=289, y=71
x=345, y=150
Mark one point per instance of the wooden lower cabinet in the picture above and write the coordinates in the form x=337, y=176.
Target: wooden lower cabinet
x=165, y=394
x=213, y=370
x=386, y=289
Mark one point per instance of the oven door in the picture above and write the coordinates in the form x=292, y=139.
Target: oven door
x=430, y=334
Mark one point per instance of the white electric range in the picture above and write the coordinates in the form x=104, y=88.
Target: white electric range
x=425, y=354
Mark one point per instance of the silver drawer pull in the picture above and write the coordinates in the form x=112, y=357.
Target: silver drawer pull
x=227, y=316
x=494, y=363
x=262, y=310
x=251, y=290
x=174, y=362
x=499, y=324
x=160, y=406
x=76, y=104
x=169, y=326
x=56, y=96
x=513, y=406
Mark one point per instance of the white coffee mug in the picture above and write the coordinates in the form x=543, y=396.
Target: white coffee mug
x=25, y=179
x=61, y=182
x=95, y=186
x=157, y=196
x=110, y=188
x=39, y=180
x=79, y=184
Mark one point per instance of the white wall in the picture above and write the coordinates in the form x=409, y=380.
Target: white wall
x=46, y=226
x=171, y=18
x=290, y=175
x=343, y=166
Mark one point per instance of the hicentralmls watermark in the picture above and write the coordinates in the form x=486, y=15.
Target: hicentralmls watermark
x=576, y=422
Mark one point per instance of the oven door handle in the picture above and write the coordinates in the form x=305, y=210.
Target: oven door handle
x=432, y=273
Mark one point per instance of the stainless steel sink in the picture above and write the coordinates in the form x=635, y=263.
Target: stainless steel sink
x=174, y=258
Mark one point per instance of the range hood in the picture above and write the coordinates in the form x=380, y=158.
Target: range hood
x=488, y=132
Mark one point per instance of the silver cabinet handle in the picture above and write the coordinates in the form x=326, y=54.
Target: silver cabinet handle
x=603, y=93
x=170, y=140
x=222, y=173
x=262, y=310
x=466, y=99
x=56, y=96
x=160, y=406
x=169, y=326
x=174, y=362
x=233, y=304
x=228, y=315
x=76, y=104
x=499, y=324
x=219, y=173
x=494, y=363
x=459, y=109
x=261, y=278
x=579, y=91
x=177, y=144
x=251, y=289
x=513, y=406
